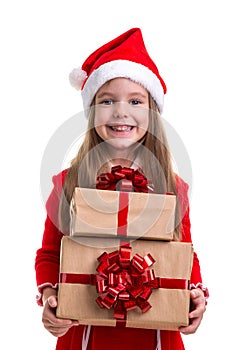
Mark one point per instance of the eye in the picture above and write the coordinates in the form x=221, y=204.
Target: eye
x=135, y=102
x=106, y=102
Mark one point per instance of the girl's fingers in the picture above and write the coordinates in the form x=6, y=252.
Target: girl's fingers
x=197, y=296
x=198, y=312
x=60, y=322
x=56, y=326
x=53, y=321
x=194, y=324
x=52, y=301
x=196, y=315
x=198, y=304
x=59, y=330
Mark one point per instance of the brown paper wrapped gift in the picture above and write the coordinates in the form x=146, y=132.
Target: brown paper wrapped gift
x=169, y=306
x=133, y=214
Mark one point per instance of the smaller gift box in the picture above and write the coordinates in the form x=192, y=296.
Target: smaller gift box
x=144, y=285
x=139, y=214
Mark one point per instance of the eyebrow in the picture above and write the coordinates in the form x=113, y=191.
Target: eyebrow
x=132, y=94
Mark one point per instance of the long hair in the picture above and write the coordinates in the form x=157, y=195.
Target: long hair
x=92, y=157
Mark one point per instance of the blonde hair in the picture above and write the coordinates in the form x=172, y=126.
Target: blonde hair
x=155, y=161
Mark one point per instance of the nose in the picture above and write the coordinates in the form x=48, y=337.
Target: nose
x=120, y=110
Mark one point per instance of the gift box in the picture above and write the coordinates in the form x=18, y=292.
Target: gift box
x=144, y=285
x=96, y=212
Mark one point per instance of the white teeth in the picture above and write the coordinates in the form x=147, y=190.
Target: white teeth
x=121, y=128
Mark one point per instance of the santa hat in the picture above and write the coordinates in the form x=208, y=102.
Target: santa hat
x=126, y=57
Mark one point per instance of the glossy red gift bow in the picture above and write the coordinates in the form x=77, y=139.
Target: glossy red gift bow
x=124, y=283
x=124, y=179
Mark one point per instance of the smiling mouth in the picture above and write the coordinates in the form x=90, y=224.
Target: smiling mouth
x=120, y=128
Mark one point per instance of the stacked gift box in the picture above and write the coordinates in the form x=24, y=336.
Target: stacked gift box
x=120, y=265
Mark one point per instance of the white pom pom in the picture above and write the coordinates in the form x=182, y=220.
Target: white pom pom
x=77, y=78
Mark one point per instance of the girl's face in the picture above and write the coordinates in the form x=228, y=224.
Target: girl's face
x=121, y=113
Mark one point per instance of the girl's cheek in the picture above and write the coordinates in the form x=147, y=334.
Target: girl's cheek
x=98, y=130
x=102, y=131
x=101, y=119
x=98, y=121
x=144, y=126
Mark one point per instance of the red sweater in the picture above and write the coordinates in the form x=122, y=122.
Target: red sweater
x=104, y=338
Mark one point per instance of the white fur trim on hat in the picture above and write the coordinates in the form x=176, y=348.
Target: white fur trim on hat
x=123, y=69
x=77, y=78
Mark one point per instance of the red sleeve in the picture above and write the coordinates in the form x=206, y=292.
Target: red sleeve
x=47, y=259
x=182, y=194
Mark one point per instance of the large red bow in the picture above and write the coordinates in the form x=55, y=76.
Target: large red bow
x=125, y=283
x=123, y=179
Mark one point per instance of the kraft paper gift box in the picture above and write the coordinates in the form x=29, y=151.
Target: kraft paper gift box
x=166, y=305
x=112, y=213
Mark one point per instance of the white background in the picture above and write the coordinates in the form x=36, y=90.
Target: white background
x=41, y=41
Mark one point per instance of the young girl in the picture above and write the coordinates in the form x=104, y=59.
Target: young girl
x=122, y=93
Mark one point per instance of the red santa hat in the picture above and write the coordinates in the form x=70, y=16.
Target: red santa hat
x=126, y=57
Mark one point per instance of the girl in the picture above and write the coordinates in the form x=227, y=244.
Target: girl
x=122, y=93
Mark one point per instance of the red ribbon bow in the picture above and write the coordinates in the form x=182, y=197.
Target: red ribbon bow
x=125, y=284
x=123, y=179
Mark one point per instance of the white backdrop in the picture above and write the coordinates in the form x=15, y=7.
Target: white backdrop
x=41, y=41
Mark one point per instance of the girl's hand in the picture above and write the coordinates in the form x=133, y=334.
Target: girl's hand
x=56, y=326
x=198, y=307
